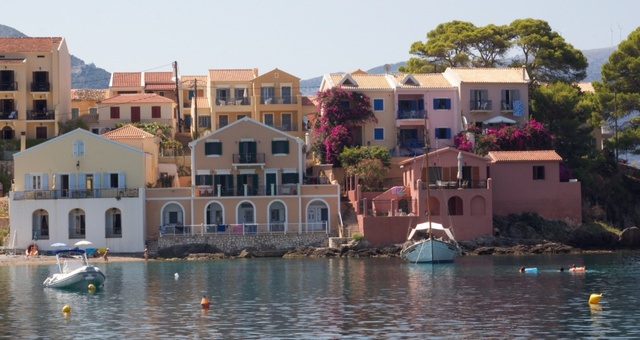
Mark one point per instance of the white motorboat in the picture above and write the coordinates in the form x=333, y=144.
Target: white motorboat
x=431, y=249
x=74, y=271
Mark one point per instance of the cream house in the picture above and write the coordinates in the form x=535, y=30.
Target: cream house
x=136, y=108
x=35, y=86
x=79, y=186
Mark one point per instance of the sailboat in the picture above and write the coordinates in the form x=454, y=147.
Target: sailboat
x=430, y=249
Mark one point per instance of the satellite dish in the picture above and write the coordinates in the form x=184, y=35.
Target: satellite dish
x=387, y=67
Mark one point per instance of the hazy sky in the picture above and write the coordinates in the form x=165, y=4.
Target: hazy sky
x=304, y=38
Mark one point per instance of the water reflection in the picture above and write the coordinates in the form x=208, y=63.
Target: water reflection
x=333, y=298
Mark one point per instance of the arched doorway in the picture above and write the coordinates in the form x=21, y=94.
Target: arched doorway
x=277, y=216
x=317, y=216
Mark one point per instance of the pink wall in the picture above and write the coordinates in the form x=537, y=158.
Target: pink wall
x=515, y=191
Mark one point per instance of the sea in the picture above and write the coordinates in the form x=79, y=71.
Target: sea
x=475, y=297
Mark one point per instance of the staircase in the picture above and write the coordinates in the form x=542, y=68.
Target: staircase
x=184, y=138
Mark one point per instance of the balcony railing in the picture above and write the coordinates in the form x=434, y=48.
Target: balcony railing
x=279, y=100
x=455, y=184
x=75, y=194
x=480, y=105
x=248, y=158
x=41, y=86
x=247, y=190
x=233, y=101
x=9, y=115
x=40, y=115
x=277, y=227
x=411, y=114
x=284, y=127
x=9, y=86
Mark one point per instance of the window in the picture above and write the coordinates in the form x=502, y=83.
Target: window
x=93, y=110
x=268, y=119
x=77, y=225
x=78, y=148
x=378, y=133
x=289, y=178
x=479, y=99
x=280, y=147
x=113, y=223
x=75, y=112
x=40, y=225
x=508, y=97
x=443, y=133
x=155, y=112
x=286, y=122
x=95, y=131
x=212, y=148
x=204, y=122
x=222, y=95
x=223, y=121
x=286, y=94
x=378, y=104
x=115, y=112
x=442, y=104
x=36, y=182
x=267, y=94
x=204, y=180
x=538, y=172
x=173, y=217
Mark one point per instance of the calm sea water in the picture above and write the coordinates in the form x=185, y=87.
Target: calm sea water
x=475, y=297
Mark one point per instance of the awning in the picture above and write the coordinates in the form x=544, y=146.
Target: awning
x=499, y=120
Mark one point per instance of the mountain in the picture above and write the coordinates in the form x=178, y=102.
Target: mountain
x=83, y=76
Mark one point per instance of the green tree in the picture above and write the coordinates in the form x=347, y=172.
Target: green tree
x=72, y=124
x=353, y=156
x=545, y=53
x=564, y=109
x=490, y=43
x=340, y=112
x=370, y=172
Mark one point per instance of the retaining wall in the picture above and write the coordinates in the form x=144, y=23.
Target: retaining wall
x=233, y=244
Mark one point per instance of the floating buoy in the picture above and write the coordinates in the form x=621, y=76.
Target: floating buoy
x=204, y=302
x=66, y=309
x=92, y=287
x=176, y=276
x=594, y=299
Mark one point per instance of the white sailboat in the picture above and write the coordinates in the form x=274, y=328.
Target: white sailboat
x=430, y=249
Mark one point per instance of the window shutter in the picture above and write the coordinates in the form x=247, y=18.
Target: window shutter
x=286, y=147
x=274, y=147
x=96, y=180
x=107, y=180
x=72, y=181
x=165, y=219
x=121, y=180
x=27, y=182
x=448, y=104
x=435, y=103
x=45, y=182
x=82, y=181
x=448, y=132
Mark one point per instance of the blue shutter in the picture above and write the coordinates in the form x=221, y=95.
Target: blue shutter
x=107, y=180
x=448, y=104
x=45, y=182
x=421, y=104
x=27, y=182
x=121, y=181
x=96, y=180
x=72, y=181
x=448, y=133
x=435, y=103
x=82, y=181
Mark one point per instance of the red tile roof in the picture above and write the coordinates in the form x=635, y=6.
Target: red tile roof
x=137, y=98
x=127, y=132
x=29, y=44
x=233, y=74
x=160, y=87
x=524, y=156
x=158, y=77
x=126, y=79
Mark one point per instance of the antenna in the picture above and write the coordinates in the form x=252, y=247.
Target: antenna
x=620, y=29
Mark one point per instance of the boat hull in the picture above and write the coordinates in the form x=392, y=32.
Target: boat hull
x=434, y=251
x=80, y=278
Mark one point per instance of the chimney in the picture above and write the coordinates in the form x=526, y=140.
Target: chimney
x=23, y=141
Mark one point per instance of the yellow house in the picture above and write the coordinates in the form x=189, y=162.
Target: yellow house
x=142, y=140
x=79, y=186
x=35, y=86
x=134, y=108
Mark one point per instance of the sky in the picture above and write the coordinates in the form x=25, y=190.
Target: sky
x=304, y=38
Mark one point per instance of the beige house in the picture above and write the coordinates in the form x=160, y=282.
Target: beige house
x=136, y=108
x=35, y=86
x=79, y=186
x=246, y=177
x=142, y=140
x=84, y=105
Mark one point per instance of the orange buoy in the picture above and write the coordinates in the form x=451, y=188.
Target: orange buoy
x=204, y=302
x=595, y=298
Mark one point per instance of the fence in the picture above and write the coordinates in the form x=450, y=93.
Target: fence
x=274, y=228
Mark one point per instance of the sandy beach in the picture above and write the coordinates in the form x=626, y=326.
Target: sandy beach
x=19, y=260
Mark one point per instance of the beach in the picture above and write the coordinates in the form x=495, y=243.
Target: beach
x=21, y=259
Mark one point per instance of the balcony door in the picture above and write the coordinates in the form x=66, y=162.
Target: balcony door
x=247, y=151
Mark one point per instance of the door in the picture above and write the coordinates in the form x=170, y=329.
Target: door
x=135, y=114
x=64, y=185
x=271, y=179
x=247, y=151
x=286, y=94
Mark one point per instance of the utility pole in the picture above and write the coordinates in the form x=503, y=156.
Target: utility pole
x=175, y=76
x=615, y=116
x=195, y=108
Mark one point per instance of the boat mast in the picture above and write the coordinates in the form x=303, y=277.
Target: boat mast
x=426, y=158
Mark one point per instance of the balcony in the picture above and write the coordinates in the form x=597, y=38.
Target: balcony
x=247, y=190
x=506, y=106
x=480, y=105
x=41, y=86
x=75, y=194
x=9, y=86
x=233, y=101
x=248, y=158
x=286, y=100
x=411, y=114
x=284, y=127
x=9, y=115
x=40, y=115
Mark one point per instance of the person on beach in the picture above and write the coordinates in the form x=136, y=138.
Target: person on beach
x=146, y=253
x=522, y=269
x=105, y=256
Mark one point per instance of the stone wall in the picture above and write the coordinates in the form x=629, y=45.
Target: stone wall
x=233, y=244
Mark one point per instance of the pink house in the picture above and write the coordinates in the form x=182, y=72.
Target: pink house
x=529, y=181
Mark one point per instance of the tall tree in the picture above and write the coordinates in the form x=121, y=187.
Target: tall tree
x=490, y=43
x=545, y=53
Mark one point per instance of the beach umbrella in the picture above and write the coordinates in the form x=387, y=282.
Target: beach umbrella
x=83, y=243
x=59, y=244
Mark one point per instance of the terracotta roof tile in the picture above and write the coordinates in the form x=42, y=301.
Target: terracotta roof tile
x=203, y=102
x=365, y=81
x=218, y=75
x=425, y=80
x=523, y=156
x=88, y=94
x=28, y=44
x=160, y=87
x=126, y=79
x=489, y=75
x=90, y=118
x=158, y=77
x=189, y=79
x=137, y=98
x=127, y=132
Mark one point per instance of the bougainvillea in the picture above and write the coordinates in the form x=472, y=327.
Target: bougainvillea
x=340, y=112
x=532, y=136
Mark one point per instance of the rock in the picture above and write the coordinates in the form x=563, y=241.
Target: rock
x=630, y=237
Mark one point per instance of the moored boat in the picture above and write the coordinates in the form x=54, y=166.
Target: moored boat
x=430, y=249
x=74, y=271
